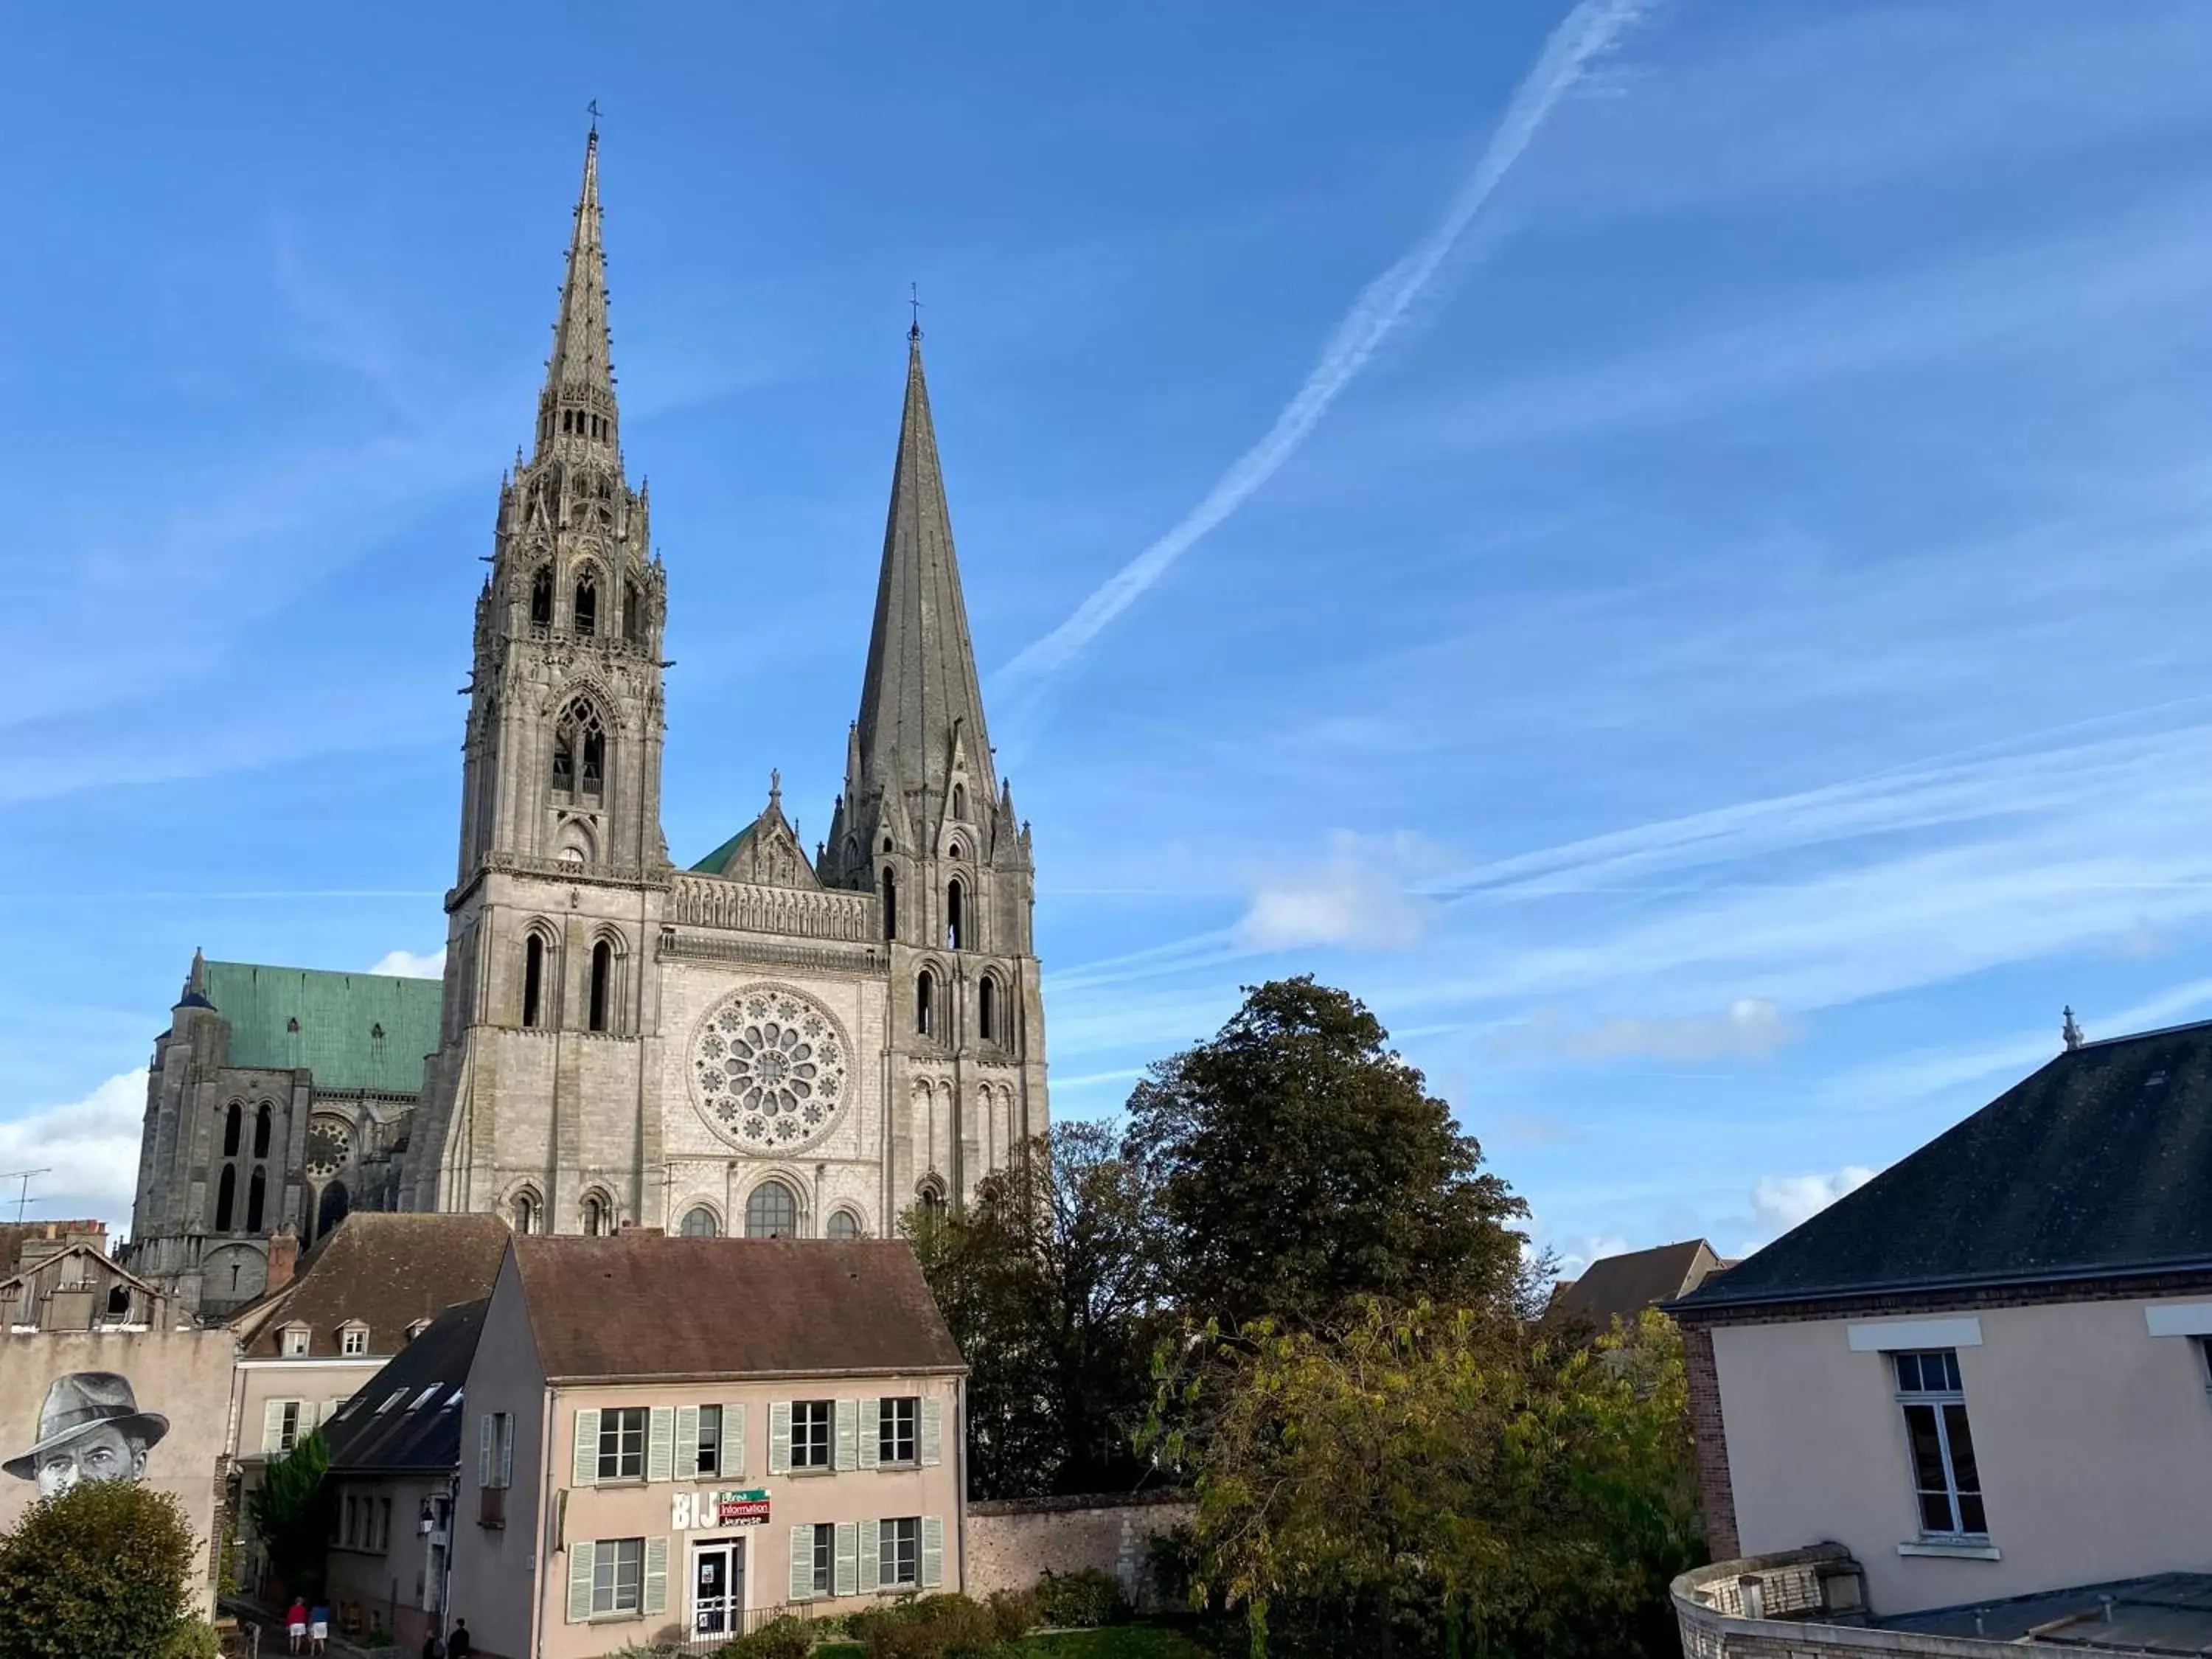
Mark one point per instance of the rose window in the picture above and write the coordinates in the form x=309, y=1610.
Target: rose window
x=771, y=1068
x=328, y=1149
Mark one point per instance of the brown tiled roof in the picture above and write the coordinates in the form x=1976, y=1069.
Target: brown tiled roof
x=1624, y=1285
x=13, y=1233
x=387, y=1271
x=645, y=1305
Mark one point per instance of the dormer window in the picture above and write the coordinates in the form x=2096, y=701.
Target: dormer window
x=353, y=1340
x=293, y=1341
x=416, y=1329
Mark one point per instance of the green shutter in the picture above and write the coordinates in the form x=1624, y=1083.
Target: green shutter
x=655, y=1593
x=848, y=1417
x=802, y=1564
x=580, y=1583
x=687, y=1443
x=932, y=1432
x=661, y=1443
x=846, y=1579
x=871, y=1556
x=586, y=1471
x=932, y=1551
x=871, y=1430
x=733, y=1441
x=484, y=1448
x=778, y=1438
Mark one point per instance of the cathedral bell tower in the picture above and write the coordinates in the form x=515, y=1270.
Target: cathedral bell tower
x=926, y=823
x=562, y=869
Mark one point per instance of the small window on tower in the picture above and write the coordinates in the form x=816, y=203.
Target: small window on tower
x=955, y=915
x=587, y=608
x=230, y=1129
x=533, y=980
x=891, y=903
x=987, y=1010
x=541, y=598
x=633, y=614
x=959, y=807
x=595, y=761
x=924, y=1003
x=261, y=1131
x=603, y=970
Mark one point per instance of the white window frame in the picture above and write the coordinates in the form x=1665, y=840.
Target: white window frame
x=294, y=1342
x=294, y=1415
x=705, y=1446
x=353, y=1340
x=890, y=1435
x=612, y=1422
x=892, y=1541
x=606, y=1569
x=1937, y=1401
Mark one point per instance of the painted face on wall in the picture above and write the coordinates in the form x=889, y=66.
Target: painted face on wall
x=102, y=1454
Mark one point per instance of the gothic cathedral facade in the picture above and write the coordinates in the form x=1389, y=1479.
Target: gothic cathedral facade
x=763, y=1043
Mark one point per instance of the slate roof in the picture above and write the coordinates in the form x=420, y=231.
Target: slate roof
x=644, y=1305
x=1622, y=1286
x=2097, y=1166
x=387, y=1271
x=353, y=1030
x=14, y=1234
x=404, y=1435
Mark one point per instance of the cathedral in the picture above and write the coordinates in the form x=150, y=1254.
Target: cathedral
x=764, y=1044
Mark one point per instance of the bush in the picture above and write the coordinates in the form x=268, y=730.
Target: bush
x=97, y=1572
x=1081, y=1599
x=950, y=1626
x=1014, y=1612
x=194, y=1638
x=786, y=1637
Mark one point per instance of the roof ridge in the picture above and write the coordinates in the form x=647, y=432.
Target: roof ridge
x=2138, y=1037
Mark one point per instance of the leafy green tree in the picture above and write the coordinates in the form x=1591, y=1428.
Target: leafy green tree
x=291, y=1512
x=1425, y=1482
x=1299, y=1164
x=99, y=1571
x=1050, y=1282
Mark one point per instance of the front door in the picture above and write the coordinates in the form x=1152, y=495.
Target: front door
x=718, y=1588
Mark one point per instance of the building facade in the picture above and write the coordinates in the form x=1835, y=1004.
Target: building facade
x=764, y=1043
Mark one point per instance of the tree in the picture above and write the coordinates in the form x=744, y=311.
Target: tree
x=1300, y=1164
x=1425, y=1482
x=291, y=1512
x=99, y=1571
x=1048, y=1280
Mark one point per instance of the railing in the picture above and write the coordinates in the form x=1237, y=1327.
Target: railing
x=741, y=1621
x=711, y=902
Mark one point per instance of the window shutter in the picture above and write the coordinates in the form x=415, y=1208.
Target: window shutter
x=778, y=1438
x=587, y=1470
x=871, y=1430
x=506, y=1448
x=580, y=1583
x=845, y=1577
x=802, y=1564
x=932, y=1432
x=932, y=1551
x=272, y=1427
x=734, y=1440
x=871, y=1556
x=307, y=1418
x=656, y=1577
x=661, y=1443
x=487, y=1433
x=687, y=1443
x=849, y=1416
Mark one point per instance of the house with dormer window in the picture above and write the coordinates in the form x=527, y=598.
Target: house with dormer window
x=675, y=1438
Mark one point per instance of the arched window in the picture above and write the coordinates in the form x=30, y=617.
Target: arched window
x=533, y=982
x=118, y=1301
x=333, y=1208
x=891, y=902
x=603, y=973
x=226, y=1197
x=580, y=751
x=526, y=1211
x=633, y=614
x=955, y=913
x=541, y=596
x=843, y=1224
x=772, y=1211
x=230, y=1126
x=261, y=1131
x=955, y=850
x=987, y=1010
x=959, y=804
x=924, y=1003
x=587, y=607
x=699, y=1222
x=598, y=1216
x=256, y=1193
x=932, y=1199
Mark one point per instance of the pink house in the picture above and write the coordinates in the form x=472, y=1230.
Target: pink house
x=675, y=1438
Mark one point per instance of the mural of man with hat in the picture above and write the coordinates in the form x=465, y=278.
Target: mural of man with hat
x=90, y=1429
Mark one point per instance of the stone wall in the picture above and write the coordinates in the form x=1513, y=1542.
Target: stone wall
x=1013, y=1542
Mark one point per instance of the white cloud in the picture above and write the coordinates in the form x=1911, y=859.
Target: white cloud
x=408, y=965
x=1356, y=898
x=1781, y=1202
x=1748, y=1027
x=1578, y=1251
x=88, y=1148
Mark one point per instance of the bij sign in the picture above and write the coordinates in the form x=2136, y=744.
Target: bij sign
x=692, y=1509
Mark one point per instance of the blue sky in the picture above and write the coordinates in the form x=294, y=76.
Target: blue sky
x=1716, y=659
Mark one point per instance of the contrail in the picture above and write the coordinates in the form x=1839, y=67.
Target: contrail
x=1588, y=31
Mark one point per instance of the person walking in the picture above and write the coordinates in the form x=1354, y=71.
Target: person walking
x=458, y=1645
x=295, y=1625
x=319, y=1629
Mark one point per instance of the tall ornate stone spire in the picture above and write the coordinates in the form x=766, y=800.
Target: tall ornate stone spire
x=920, y=700
x=578, y=404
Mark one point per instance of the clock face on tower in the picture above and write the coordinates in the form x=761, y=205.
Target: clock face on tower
x=771, y=1069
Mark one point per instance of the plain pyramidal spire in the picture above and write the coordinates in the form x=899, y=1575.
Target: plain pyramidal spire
x=577, y=407
x=920, y=696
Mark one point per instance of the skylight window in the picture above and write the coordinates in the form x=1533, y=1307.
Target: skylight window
x=391, y=1399
x=425, y=1396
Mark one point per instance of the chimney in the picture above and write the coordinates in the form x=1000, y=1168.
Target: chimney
x=283, y=1257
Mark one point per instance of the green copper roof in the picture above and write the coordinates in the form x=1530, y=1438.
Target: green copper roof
x=719, y=861
x=352, y=1031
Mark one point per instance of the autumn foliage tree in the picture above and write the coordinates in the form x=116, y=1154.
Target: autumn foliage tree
x=101, y=1571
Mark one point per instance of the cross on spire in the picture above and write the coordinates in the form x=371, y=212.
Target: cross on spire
x=913, y=299
x=593, y=107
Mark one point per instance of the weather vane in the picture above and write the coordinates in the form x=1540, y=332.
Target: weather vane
x=913, y=299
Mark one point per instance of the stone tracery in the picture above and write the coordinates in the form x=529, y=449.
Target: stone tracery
x=770, y=1069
